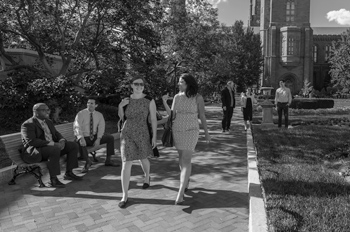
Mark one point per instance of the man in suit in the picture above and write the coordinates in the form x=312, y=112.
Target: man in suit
x=228, y=104
x=42, y=142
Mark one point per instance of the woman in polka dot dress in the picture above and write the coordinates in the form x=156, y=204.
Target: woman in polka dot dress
x=135, y=138
x=187, y=106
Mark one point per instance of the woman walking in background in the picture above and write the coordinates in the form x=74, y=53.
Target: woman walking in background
x=187, y=106
x=135, y=137
x=247, y=101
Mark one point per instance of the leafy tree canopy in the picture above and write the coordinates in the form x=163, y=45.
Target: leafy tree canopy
x=340, y=63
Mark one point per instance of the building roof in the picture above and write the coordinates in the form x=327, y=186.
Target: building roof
x=329, y=30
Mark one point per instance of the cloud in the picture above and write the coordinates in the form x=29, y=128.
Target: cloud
x=215, y=3
x=341, y=16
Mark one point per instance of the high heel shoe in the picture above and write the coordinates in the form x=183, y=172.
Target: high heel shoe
x=179, y=202
x=122, y=204
x=188, y=183
x=146, y=185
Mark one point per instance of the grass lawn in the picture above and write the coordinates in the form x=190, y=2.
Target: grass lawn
x=299, y=174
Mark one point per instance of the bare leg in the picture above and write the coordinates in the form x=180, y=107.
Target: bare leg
x=250, y=124
x=186, y=168
x=245, y=125
x=180, y=159
x=126, y=172
x=146, y=166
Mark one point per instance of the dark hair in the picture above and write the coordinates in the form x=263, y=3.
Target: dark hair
x=192, y=86
x=136, y=78
x=94, y=98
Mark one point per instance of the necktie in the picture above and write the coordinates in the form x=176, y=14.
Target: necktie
x=46, y=131
x=91, y=127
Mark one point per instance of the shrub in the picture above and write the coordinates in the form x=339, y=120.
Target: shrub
x=312, y=103
x=23, y=91
x=110, y=113
x=307, y=89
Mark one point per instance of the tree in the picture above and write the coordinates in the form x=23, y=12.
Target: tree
x=237, y=56
x=340, y=62
x=186, y=30
x=100, y=43
x=88, y=35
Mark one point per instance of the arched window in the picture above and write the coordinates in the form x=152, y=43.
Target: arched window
x=290, y=11
x=327, y=52
x=315, y=53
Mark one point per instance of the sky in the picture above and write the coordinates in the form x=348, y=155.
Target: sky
x=324, y=13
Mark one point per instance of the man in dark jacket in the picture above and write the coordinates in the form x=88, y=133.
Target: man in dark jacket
x=228, y=104
x=42, y=142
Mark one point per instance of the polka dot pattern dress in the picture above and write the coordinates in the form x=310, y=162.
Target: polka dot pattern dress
x=185, y=125
x=135, y=139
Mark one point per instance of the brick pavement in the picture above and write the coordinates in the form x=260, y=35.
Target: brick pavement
x=216, y=201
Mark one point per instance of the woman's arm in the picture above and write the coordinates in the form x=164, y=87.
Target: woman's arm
x=121, y=105
x=152, y=110
x=165, y=103
x=201, y=112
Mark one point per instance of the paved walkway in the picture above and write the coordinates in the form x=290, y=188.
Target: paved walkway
x=217, y=199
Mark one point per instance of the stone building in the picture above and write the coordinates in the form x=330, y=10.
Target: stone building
x=293, y=50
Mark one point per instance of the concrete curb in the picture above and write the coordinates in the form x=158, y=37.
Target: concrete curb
x=257, y=213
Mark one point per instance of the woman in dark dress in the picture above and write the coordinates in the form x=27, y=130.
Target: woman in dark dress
x=247, y=101
x=135, y=137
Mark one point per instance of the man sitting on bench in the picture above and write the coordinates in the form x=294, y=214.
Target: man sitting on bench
x=42, y=142
x=89, y=129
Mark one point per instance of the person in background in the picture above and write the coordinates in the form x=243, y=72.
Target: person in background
x=247, y=102
x=228, y=104
x=135, y=136
x=89, y=130
x=42, y=142
x=187, y=106
x=283, y=98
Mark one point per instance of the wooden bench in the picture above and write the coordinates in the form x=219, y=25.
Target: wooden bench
x=13, y=143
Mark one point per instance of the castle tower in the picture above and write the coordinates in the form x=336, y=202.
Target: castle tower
x=286, y=39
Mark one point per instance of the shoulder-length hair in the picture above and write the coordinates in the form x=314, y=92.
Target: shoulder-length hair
x=137, y=78
x=192, y=86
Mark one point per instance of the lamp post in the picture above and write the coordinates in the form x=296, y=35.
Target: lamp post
x=175, y=70
x=267, y=107
x=175, y=79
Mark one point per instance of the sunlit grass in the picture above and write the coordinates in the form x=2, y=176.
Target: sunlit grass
x=301, y=192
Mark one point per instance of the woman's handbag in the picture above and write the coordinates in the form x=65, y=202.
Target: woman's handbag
x=167, y=138
x=155, y=149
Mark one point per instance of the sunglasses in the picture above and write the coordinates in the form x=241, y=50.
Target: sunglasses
x=138, y=84
x=47, y=110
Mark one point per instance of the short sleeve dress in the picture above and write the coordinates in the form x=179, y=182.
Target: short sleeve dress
x=135, y=139
x=185, y=125
x=248, y=110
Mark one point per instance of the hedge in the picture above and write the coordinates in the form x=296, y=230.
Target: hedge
x=312, y=103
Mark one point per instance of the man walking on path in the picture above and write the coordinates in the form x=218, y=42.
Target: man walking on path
x=228, y=104
x=283, y=98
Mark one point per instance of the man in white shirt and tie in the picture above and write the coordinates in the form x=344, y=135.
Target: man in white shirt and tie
x=42, y=142
x=89, y=129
